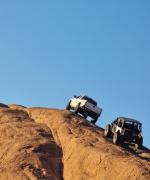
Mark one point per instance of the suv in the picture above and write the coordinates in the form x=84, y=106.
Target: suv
x=125, y=129
x=85, y=106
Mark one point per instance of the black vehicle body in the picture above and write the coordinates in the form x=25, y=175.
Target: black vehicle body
x=85, y=106
x=125, y=129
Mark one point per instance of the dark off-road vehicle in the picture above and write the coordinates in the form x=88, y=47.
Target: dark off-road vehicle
x=125, y=129
x=85, y=106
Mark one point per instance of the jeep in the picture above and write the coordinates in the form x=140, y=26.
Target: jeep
x=125, y=129
x=85, y=106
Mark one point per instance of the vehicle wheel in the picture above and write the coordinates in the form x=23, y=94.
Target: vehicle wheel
x=93, y=121
x=76, y=110
x=85, y=116
x=140, y=142
x=107, y=131
x=121, y=140
x=68, y=107
x=116, y=138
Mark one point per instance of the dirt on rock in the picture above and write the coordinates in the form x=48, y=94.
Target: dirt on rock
x=52, y=144
x=27, y=149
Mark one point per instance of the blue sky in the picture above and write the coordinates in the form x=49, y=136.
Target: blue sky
x=52, y=50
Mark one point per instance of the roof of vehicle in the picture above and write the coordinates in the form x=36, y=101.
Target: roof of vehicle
x=129, y=119
x=87, y=97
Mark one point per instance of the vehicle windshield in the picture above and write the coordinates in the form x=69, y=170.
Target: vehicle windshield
x=132, y=125
x=90, y=100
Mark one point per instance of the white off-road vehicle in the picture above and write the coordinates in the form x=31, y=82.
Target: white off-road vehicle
x=85, y=106
x=125, y=129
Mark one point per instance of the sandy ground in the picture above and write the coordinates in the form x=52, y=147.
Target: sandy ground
x=47, y=144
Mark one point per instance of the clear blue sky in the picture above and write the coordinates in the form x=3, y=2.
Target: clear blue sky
x=52, y=50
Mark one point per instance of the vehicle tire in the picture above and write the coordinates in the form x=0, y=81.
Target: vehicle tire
x=107, y=131
x=116, y=138
x=121, y=140
x=85, y=116
x=93, y=121
x=68, y=107
x=76, y=110
x=140, y=143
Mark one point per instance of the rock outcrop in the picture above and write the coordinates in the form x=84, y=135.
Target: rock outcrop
x=51, y=144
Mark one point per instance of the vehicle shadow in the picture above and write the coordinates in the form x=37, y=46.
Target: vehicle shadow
x=142, y=153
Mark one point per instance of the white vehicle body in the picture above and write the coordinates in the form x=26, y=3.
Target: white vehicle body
x=85, y=106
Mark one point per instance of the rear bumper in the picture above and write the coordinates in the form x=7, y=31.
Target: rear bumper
x=130, y=138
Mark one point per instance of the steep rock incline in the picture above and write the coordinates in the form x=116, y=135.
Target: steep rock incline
x=27, y=149
x=86, y=153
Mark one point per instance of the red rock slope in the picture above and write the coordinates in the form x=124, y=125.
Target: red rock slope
x=49, y=144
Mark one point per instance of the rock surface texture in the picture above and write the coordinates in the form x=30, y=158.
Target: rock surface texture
x=51, y=144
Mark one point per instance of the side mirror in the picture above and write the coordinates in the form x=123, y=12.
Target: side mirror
x=75, y=96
